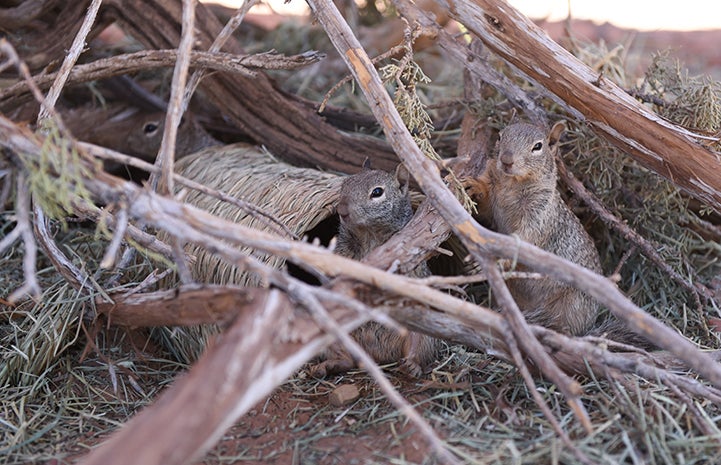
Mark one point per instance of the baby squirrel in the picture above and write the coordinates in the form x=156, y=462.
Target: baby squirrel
x=374, y=205
x=518, y=193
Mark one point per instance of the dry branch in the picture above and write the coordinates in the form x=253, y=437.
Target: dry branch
x=129, y=63
x=657, y=144
x=289, y=129
x=225, y=383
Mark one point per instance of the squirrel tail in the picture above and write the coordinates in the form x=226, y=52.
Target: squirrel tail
x=616, y=330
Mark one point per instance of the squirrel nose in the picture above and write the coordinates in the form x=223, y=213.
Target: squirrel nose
x=343, y=209
x=506, y=159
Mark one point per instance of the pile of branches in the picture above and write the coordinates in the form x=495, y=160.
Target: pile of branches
x=48, y=173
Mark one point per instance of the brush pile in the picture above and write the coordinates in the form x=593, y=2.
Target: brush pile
x=121, y=269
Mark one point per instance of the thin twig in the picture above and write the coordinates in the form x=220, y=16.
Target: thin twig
x=264, y=217
x=528, y=379
x=129, y=63
x=697, y=289
x=225, y=34
x=47, y=106
x=325, y=321
x=166, y=156
x=71, y=273
x=532, y=347
x=121, y=226
x=22, y=211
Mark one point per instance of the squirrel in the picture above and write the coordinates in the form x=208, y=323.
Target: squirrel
x=373, y=205
x=518, y=194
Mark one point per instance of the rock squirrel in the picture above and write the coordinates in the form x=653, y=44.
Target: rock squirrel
x=373, y=205
x=518, y=192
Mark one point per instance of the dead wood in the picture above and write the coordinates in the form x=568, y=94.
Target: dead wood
x=669, y=150
x=185, y=306
x=240, y=369
x=270, y=117
x=129, y=63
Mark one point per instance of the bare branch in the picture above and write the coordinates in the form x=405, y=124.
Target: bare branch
x=76, y=49
x=224, y=35
x=166, y=156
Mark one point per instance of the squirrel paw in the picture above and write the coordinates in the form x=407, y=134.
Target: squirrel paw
x=330, y=367
x=411, y=367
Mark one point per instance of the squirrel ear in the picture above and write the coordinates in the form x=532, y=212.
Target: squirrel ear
x=403, y=176
x=366, y=164
x=555, y=134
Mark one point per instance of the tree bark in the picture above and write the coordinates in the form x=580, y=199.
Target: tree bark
x=268, y=115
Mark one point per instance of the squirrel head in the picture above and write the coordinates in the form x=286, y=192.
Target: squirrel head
x=375, y=201
x=526, y=151
x=145, y=133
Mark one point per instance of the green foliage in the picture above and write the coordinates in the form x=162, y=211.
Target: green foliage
x=56, y=178
x=693, y=102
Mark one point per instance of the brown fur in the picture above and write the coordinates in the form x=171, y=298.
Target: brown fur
x=522, y=200
x=367, y=220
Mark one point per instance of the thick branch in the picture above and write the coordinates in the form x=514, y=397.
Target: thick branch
x=255, y=105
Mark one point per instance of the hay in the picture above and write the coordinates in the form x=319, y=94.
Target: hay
x=299, y=198
x=254, y=176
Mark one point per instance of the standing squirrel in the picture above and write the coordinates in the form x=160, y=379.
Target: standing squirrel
x=374, y=205
x=518, y=193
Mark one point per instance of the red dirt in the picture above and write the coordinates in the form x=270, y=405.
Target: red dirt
x=296, y=427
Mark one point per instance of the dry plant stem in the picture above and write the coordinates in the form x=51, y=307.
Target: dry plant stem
x=166, y=156
x=669, y=150
x=532, y=347
x=140, y=237
x=125, y=261
x=325, y=321
x=266, y=218
x=224, y=35
x=478, y=240
x=247, y=362
x=6, y=186
x=121, y=226
x=25, y=229
x=697, y=289
x=696, y=416
x=346, y=79
x=186, y=277
x=466, y=57
x=75, y=50
x=510, y=339
x=76, y=277
x=150, y=59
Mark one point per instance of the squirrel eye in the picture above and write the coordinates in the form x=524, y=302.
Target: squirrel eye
x=537, y=147
x=377, y=192
x=150, y=128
